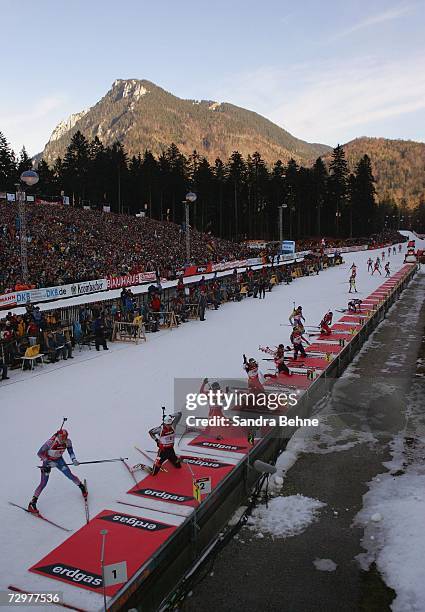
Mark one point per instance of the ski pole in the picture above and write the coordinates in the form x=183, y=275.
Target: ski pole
x=87, y=462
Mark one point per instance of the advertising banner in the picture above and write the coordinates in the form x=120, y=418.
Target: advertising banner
x=43, y=201
x=193, y=270
x=230, y=265
x=20, y=298
x=7, y=300
x=346, y=249
x=288, y=246
x=130, y=279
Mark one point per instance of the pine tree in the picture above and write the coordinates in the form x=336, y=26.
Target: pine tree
x=306, y=199
x=24, y=162
x=178, y=180
x=150, y=179
x=75, y=167
x=338, y=188
x=236, y=174
x=7, y=164
x=135, y=189
x=46, y=184
x=117, y=161
x=418, y=217
x=362, y=198
x=277, y=197
x=219, y=181
x=291, y=190
x=320, y=179
x=260, y=178
x=57, y=171
x=97, y=175
x=203, y=184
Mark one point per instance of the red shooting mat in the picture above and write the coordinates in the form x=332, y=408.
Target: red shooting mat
x=176, y=485
x=308, y=362
x=371, y=299
x=294, y=381
x=341, y=335
x=323, y=348
x=352, y=319
x=342, y=327
x=130, y=538
x=380, y=295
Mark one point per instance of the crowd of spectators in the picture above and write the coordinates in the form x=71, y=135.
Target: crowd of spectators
x=18, y=333
x=67, y=244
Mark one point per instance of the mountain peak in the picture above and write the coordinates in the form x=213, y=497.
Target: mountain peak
x=142, y=115
x=129, y=88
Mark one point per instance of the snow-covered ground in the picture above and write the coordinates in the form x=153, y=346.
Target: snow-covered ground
x=394, y=509
x=285, y=516
x=112, y=398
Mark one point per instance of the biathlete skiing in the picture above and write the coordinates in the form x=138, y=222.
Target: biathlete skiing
x=51, y=454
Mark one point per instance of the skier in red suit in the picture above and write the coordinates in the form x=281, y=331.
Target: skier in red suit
x=325, y=324
x=251, y=368
x=164, y=436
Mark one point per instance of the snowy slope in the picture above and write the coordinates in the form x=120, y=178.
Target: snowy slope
x=113, y=398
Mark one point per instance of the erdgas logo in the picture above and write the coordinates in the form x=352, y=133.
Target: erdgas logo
x=217, y=445
x=71, y=574
x=163, y=495
x=134, y=521
x=204, y=462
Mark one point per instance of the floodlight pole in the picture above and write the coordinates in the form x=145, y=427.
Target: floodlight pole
x=29, y=178
x=20, y=194
x=190, y=199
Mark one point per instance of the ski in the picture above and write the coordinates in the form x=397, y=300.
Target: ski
x=40, y=516
x=141, y=466
x=86, y=504
x=129, y=470
x=162, y=469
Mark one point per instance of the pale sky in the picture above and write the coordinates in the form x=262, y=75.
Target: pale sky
x=327, y=71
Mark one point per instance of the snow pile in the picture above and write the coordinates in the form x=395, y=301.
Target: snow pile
x=285, y=516
x=397, y=541
x=325, y=565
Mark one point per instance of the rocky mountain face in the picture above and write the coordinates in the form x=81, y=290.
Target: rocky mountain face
x=142, y=116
